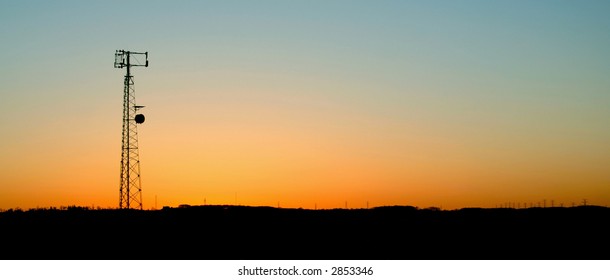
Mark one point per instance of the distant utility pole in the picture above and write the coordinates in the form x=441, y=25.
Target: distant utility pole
x=130, y=190
x=584, y=202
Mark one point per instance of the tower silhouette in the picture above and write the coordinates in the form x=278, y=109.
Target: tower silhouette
x=130, y=187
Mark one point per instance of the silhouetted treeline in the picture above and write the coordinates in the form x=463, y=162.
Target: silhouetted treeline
x=241, y=232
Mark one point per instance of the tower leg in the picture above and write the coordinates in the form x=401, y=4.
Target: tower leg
x=130, y=189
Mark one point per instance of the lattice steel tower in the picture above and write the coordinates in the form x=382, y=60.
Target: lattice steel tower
x=130, y=189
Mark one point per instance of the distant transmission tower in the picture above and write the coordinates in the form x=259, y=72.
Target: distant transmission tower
x=130, y=189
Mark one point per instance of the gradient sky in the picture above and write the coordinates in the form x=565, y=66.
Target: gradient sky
x=309, y=103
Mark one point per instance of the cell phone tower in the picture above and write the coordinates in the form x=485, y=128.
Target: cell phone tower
x=130, y=189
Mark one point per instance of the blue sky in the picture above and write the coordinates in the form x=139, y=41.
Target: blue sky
x=508, y=90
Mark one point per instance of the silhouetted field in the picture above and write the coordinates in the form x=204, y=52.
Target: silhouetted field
x=240, y=232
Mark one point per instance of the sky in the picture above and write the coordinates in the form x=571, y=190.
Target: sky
x=312, y=104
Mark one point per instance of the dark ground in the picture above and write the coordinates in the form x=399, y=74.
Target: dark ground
x=261, y=233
